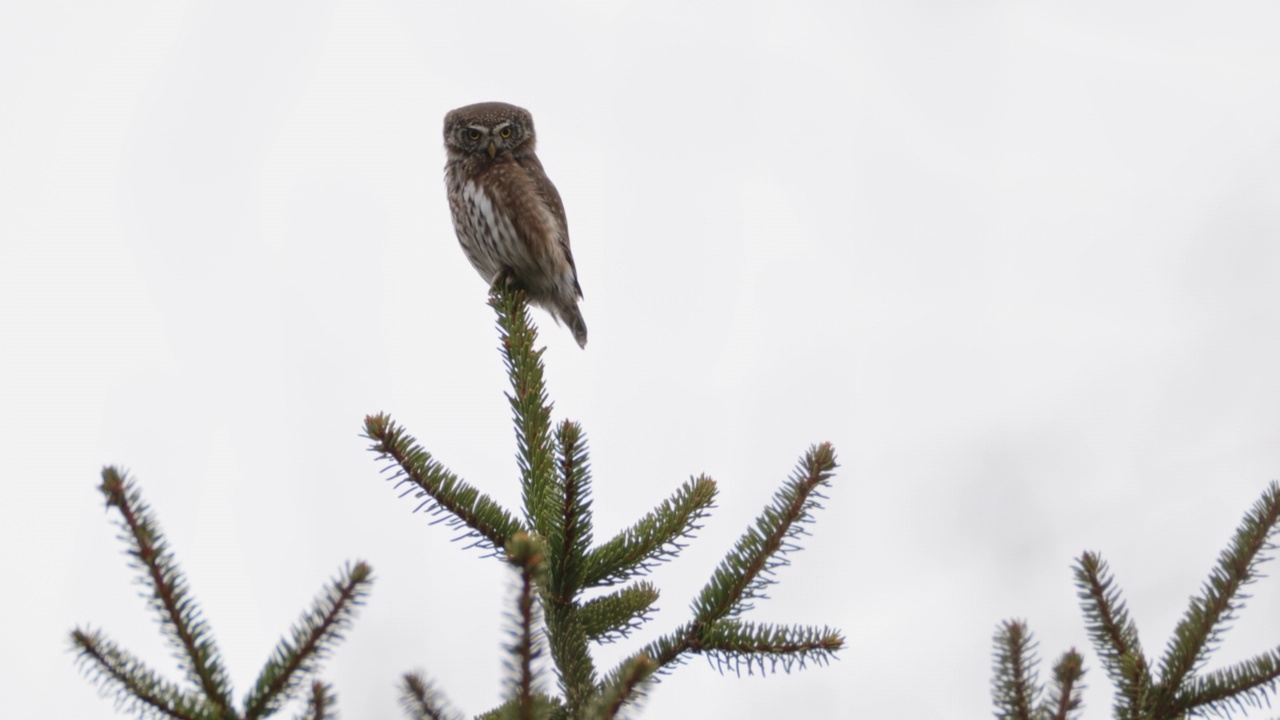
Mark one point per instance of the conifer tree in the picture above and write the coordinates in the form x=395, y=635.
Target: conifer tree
x=1176, y=687
x=559, y=609
x=573, y=592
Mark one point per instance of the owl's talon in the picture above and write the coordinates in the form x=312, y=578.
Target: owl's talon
x=503, y=278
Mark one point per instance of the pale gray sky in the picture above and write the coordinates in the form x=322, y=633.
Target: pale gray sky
x=1018, y=261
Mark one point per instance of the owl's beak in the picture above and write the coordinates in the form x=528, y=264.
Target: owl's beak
x=493, y=149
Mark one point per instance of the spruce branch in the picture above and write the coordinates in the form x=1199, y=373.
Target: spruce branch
x=1220, y=599
x=622, y=690
x=612, y=617
x=669, y=650
x=1251, y=682
x=311, y=641
x=168, y=593
x=735, y=644
x=528, y=556
x=530, y=407
x=746, y=570
x=147, y=693
x=1114, y=636
x=130, y=681
x=744, y=573
x=570, y=527
x=421, y=699
x=1015, y=688
x=320, y=703
x=486, y=520
x=1179, y=691
x=567, y=640
x=570, y=536
x=653, y=539
x=1065, y=697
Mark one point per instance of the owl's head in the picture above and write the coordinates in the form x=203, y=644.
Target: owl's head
x=490, y=129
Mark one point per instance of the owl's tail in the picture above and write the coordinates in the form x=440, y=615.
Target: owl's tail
x=572, y=317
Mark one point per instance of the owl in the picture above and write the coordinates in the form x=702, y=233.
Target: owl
x=507, y=214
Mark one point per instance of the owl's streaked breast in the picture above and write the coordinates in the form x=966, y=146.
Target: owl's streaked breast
x=490, y=233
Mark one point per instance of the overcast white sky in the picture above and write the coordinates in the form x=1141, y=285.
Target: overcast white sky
x=1018, y=261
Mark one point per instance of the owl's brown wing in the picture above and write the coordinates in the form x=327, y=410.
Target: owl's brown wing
x=547, y=192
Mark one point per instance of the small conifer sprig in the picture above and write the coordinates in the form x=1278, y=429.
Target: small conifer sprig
x=552, y=549
x=449, y=498
x=421, y=699
x=526, y=554
x=742, y=577
x=1017, y=688
x=320, y=702
x=1176, y=688
x=208, y=696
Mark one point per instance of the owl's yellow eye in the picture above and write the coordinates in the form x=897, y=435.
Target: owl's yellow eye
x=473, y=134
x=505, y=132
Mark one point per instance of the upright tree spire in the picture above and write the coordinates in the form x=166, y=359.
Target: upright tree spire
x=554, y=554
